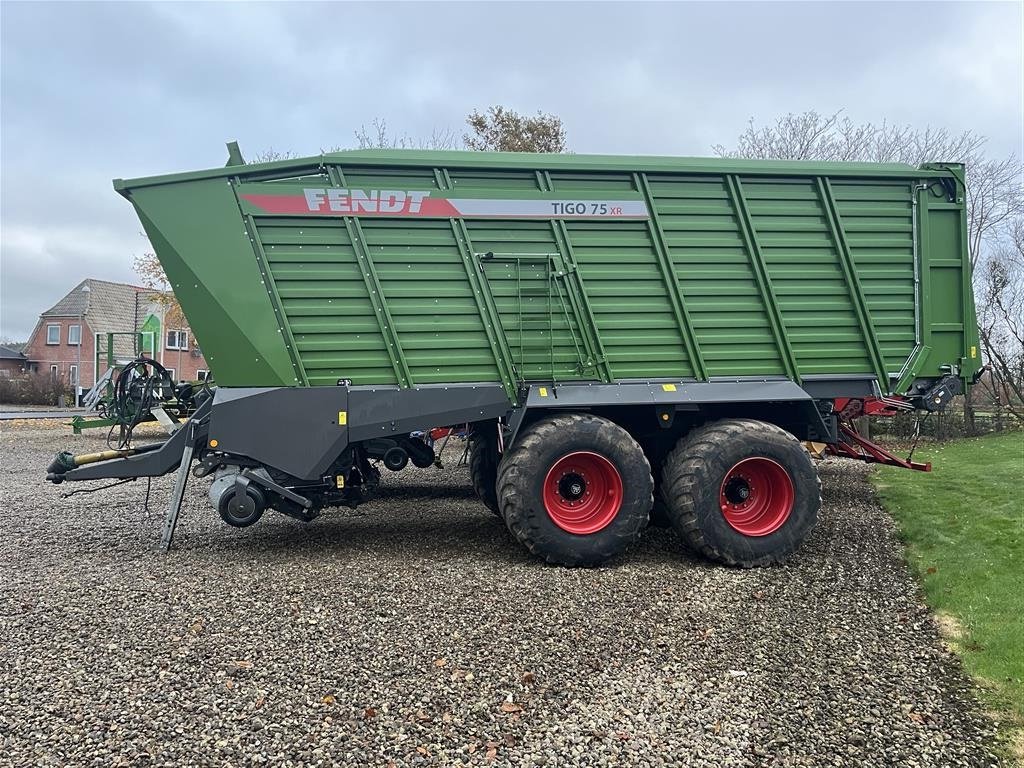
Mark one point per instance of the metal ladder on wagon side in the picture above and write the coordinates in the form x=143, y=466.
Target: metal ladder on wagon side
x=535, y=330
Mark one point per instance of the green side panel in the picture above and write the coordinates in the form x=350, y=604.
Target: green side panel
x=543, y=336
x=712, y=265
x=710, y=268
x=624, y=286
x=377, y=177
x=324, y=298
x=536, y=298
x=878, y=221
x=950, y=323
x=198, y=234
x=498, y=183
x=431, y=301
x=629, y=299
x=803, y=265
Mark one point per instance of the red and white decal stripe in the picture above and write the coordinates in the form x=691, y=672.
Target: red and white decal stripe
x=297, y=205
x=418, y=204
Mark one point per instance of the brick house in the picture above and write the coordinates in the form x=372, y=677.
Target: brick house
x=69, y=334
x=12, y=362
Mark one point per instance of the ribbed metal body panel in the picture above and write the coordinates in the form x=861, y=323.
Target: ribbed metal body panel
x=415, y=268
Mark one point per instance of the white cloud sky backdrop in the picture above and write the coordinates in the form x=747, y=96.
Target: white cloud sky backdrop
x=90, y=92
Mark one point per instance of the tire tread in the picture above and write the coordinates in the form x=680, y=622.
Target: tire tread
x=516, y=470
x=688, y=466
x=483, y=466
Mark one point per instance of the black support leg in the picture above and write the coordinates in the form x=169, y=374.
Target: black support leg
x=180, y=481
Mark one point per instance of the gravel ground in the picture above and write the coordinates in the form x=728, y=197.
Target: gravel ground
x=414, y=631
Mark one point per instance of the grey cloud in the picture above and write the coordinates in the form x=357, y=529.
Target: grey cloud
x=95, y=91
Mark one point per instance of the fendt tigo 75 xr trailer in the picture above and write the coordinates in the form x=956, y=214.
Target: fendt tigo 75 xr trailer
x=624, y=336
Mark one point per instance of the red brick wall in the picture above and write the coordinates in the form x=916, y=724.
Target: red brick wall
x=42, y=355
x=184, y=362
x=10, y=368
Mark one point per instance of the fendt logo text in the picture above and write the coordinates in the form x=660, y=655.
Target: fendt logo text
x=361, y=201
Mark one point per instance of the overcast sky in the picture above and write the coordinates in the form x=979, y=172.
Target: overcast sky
x=91, y=92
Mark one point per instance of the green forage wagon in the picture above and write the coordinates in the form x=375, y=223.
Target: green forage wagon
x=623, y=336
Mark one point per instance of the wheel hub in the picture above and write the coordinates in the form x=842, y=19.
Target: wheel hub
x=757, y=496
x=572, y=487
x=241, y=507
x=583, y=492
x=737, y=489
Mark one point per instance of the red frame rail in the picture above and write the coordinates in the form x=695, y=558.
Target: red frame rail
x=853, y=445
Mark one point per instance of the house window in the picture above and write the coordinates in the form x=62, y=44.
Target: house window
x=54, y=372
x=74, y=334
x=170, y=373
x=202, y=375
x=73, y=375
x=177, y=340
x=53, y=334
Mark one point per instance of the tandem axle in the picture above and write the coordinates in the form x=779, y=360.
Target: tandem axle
x=300, y=450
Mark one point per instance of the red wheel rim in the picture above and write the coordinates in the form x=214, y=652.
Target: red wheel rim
x=757, y=496
x=582, y=492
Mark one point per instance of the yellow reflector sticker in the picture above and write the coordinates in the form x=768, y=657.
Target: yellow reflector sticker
x=340, y=481
x=669, y=387
x=214, y=443
x=342, y=418
x=543, y=391
x=974, y=352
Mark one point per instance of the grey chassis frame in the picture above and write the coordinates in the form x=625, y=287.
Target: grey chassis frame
x=302, y=431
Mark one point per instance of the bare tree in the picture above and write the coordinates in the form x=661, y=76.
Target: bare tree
x=503, y=130
x=1001, y=321
x=271, y=155
x=995, y=199
x=379, y=137
x=813, y=136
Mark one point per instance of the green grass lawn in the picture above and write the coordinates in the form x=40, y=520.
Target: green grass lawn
x=963, y=525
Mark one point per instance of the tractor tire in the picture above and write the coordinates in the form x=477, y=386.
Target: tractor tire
x=741, y=492
x=483, y=464
x=575, y=489
x=656, y=458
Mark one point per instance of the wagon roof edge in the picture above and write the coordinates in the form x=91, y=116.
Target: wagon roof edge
x=553, y=162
